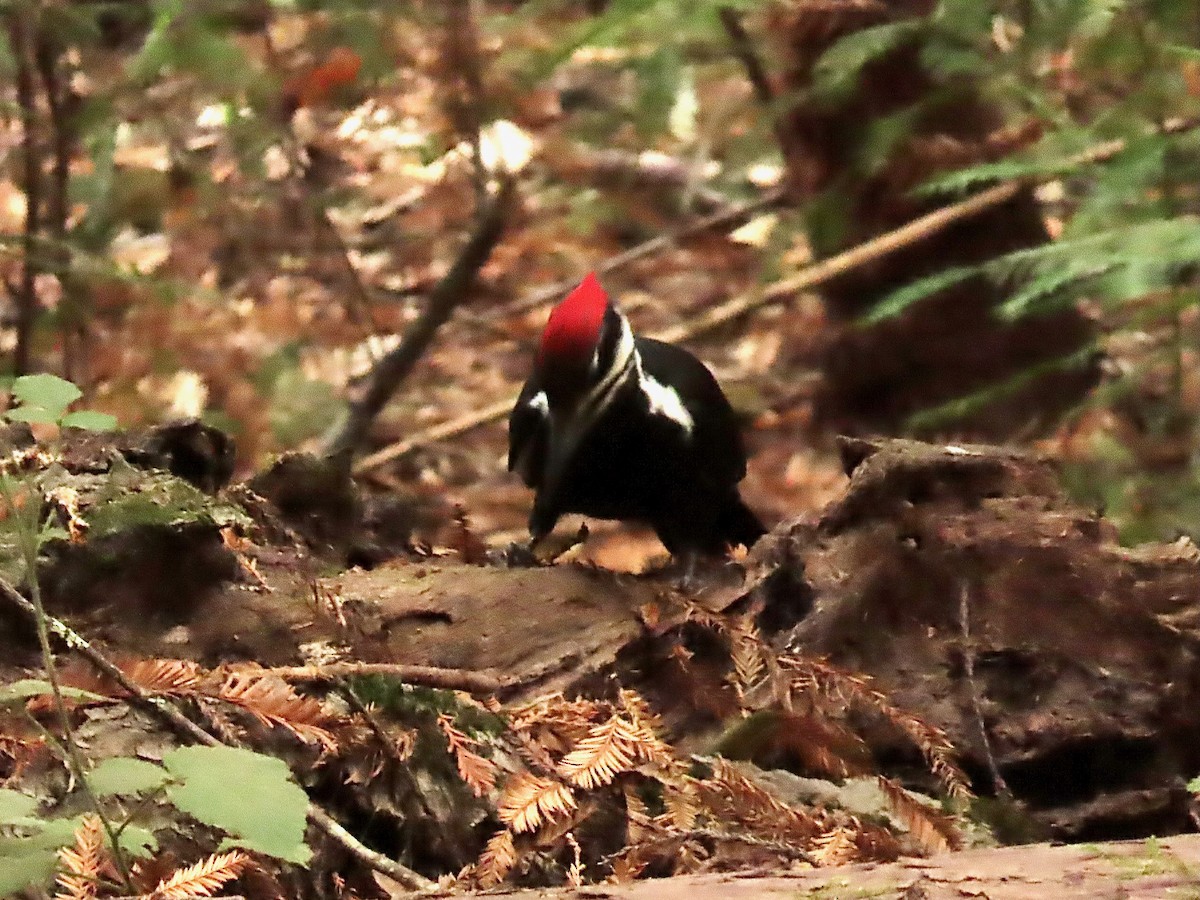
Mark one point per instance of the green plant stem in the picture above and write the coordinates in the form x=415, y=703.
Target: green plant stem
x=27, y=527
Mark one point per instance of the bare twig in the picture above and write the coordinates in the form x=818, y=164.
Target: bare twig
x=999, y=785
x=59, y=98
x=454, y=286
x=721, y=219
x=425, y=676
x=19, y=28
x=182, y=725
x=743, y=49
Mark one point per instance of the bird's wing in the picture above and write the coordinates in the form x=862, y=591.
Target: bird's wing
x=715, y=430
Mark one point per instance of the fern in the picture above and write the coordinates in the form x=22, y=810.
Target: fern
x=837, y=70
x=902, y=298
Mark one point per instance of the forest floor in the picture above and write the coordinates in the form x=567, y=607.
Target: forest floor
x=949, y=618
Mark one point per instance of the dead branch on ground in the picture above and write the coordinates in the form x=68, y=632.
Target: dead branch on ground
x=425, y=676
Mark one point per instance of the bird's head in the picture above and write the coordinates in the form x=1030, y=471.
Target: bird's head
x=585, y=348
x=586, y=354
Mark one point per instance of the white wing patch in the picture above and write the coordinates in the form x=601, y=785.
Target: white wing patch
x=540, y=404
x=665, y=401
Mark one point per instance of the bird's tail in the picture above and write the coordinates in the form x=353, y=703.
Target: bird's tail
x=739, y=524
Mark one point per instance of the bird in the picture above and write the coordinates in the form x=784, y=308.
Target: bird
x=615, y=426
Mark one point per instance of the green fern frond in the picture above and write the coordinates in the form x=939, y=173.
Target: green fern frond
x=1118, y=264
x=1046, y=286
x=962, y=180
x=837, y=71
x=902, y=298
x=961, y=407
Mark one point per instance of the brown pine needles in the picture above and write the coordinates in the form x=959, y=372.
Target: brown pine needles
x=203, y=879
x=85, y=863
x=529, y=800
x=932, y=829
x=478, y=772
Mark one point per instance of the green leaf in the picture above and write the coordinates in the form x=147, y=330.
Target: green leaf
x=35, y=414
x=47, y=391
x=15, y=806
x=89, y=420
x=37, y=687
x=125, y=775
x=137, y=840
x=837, y=71
x=247, y=794
x=1194, y=785
x=27, y=867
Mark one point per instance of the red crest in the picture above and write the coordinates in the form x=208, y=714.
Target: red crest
x=574, y=326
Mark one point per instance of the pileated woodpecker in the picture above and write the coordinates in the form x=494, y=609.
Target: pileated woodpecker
x=622, y=427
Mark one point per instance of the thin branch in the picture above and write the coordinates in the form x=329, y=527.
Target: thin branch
x=27, y=299
x=425, y=676
x=28, y=529
x=999, y=785
x=167, y=713
x=722, y=219
x=743, y=49
x=62, y=132
x=385, y=378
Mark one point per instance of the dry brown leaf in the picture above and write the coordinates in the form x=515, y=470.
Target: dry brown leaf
x=732, y=797
x=405, y=743
x=203, y=879
x=932, y=829
x=747, y=650
x=575, y=870
x=821, y=680
x=67, y=500
x=626, y=867
x=823, y=745
x=273, y=701
x=529, y=800
x=164, y=676
x=682, y=805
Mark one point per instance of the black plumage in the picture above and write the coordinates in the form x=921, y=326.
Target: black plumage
x=660, y=445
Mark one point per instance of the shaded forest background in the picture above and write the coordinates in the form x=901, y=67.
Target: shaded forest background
x=339, y=226
x=236, y=210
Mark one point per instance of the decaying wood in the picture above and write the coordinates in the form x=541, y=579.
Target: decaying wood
x=1083, y=652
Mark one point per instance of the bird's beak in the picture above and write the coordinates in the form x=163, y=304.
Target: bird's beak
x=566, y=432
